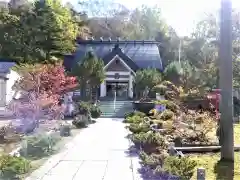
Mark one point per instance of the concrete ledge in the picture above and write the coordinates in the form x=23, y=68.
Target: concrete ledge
x=203, y=148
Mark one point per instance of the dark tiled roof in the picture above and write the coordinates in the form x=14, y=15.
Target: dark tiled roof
x=137, y=54
x=117, y=51
x=6, y=65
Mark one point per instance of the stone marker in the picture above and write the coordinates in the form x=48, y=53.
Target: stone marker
x=201, y=174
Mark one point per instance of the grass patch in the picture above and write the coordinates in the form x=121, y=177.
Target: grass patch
x=237, y=134
x=208, y=161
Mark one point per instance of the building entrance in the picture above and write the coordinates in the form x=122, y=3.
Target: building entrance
x=120, y=88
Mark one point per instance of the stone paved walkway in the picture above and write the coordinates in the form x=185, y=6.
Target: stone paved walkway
x=99, y=152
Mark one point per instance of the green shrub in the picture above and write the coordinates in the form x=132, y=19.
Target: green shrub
x=134, y=113
x=170, y=86
x=87, y=108
x=167, y=125
x=84, y=108
x=12, y=166
x=170, y=95
x=167, y=115
x=134, y=119
x=181, y=167
x=137, y=128
x=152, y=160
x=81, y=121
x=160, y=88
x=8, y=133
x=39, y=145
x=158, y=123
x=149, y=139
x=95, y=111
x=168, y=89
x=65, y=130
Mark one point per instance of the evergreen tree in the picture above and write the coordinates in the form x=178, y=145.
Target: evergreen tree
x=89, y=72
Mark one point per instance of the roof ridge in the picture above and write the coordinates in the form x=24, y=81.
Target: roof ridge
x=105, y=41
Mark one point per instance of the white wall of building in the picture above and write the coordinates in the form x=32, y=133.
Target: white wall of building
x=10, y=93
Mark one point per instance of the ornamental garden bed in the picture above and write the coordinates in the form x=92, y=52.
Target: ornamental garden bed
x=40, y=146
x=155, y=134
x=21, y=159
x=32, y=150
x=144, y=107
x=39, y=157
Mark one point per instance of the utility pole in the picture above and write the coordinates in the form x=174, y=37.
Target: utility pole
x=179, y=51
x=226, y=76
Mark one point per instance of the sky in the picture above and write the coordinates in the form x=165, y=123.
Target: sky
x=182, y=15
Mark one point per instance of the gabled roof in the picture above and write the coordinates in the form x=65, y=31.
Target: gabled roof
x=117, y=51
x=136, y=54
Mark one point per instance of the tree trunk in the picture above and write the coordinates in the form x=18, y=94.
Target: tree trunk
x=90, y=93
x=217, y=79
x=47, y=55
x=83, y=92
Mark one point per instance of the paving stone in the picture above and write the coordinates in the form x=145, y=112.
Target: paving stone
x=90, y=154
x=47, y=166
x=57, y=177
x=96, y=152
x=119, y=170
x=91, y=170
x=119, y=154
x=66, y=168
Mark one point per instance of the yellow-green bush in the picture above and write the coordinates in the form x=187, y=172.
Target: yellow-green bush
x=167, y=115
x=12, y=166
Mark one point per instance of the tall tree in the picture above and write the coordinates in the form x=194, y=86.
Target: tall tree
x=44, y=79
x=81, y=19
x=56, y=30
x=108, y=18
x=41, y=87
x=10, y=35
x=89, y=72
x=146, y=78
x=201, y=49
x=146, y=23
x=37, y=33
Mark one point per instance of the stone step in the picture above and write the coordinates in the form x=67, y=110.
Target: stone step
x=112, y=115
x=109, y=106
x=121, y=107
x=117, y=107
x=121, y=111
x=117, y=110
x=117, y=102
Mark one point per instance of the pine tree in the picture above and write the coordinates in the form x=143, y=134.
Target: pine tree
x=89, y=72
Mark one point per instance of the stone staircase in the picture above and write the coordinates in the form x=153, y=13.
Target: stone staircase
x=121, y=107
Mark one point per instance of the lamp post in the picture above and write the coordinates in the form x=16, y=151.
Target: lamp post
x=225, y=72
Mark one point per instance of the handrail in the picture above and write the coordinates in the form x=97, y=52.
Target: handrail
x=114, y=101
